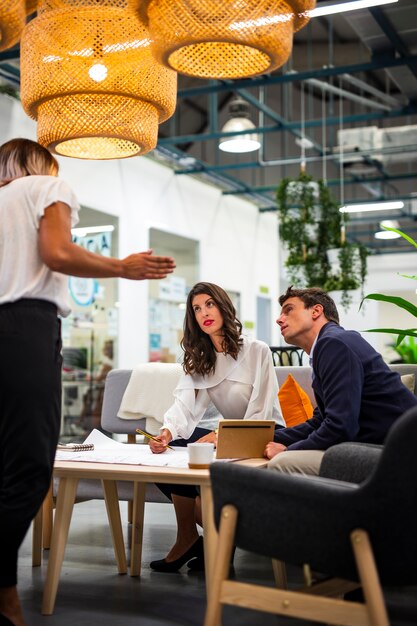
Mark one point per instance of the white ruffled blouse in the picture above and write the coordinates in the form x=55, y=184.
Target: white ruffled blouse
x=245, y=388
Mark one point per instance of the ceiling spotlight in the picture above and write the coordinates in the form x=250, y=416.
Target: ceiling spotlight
x=239, y=123
x=341, y=7
x=387, y=234
x=91, y=230
x=371, y=206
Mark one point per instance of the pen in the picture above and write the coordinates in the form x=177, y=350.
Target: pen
x=145, y=434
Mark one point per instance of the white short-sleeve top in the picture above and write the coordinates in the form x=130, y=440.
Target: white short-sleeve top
x=23, y=273
x=245, y=388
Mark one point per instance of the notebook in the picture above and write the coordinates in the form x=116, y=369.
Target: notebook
x=242, y=439
x=75, y=447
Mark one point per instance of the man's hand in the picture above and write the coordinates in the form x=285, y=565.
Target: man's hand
x=144, y=265
x=209, y=438
x=272, y=449
x=159, y=444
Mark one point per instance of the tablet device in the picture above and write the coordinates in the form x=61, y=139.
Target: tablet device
x=243, y=439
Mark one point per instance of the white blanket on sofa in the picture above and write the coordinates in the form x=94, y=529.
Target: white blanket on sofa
x=149, y=393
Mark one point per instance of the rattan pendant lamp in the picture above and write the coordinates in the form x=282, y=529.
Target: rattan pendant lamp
x=223, y=39
x=12, y=20
x=89, y=78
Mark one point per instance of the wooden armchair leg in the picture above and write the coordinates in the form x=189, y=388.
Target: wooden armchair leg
x=221, y=568
x=368, y=574
x=280, y=574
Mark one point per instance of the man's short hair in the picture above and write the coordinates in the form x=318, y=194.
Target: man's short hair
x=312, y=296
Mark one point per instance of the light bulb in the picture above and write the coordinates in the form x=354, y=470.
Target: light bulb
x=98, y=72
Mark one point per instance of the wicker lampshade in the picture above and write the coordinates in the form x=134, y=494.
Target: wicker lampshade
x=214, y=39
x=89, y=78
x=12, y=21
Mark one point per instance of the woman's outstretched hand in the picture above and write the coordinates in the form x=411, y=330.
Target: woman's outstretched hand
x=146, y=265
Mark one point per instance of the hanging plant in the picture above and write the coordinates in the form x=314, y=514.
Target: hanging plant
x=310, y=224
x=9, y=91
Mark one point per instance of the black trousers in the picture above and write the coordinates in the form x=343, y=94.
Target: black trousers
x=188, y=491
x=30, y=407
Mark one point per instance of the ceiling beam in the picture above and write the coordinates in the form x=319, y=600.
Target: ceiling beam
x=410, y=109
x=386, y=26
x=376, y=63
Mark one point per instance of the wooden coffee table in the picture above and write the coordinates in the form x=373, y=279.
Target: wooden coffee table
x=70, y=472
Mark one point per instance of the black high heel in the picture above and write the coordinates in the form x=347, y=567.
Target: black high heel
x=162, y=565
x=197, y=564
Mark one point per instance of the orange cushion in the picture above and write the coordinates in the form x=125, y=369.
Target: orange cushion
x=295, y=404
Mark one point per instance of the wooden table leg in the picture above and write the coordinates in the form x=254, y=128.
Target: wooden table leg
x=37, y=538
x=64, y=505
x=113, y=513
x=48, y=514
x=137, y=528
x=210, y=533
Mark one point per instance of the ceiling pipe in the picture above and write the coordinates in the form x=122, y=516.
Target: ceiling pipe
x=335, y=182
x=311, y=159
x=361, y=84
x=347, y=94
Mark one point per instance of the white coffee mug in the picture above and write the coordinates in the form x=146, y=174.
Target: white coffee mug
x=200, y=455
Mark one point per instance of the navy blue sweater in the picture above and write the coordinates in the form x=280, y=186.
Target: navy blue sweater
x=358, y=396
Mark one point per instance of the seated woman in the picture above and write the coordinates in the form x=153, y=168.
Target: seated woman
x=236, y=374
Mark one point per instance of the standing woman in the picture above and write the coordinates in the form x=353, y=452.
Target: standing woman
x=233, y=372
x=37, y=211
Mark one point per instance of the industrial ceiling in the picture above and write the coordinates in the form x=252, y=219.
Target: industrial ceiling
x=345, y=104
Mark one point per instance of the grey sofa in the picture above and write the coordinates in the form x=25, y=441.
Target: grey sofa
x=118, y=379
x=116, y=383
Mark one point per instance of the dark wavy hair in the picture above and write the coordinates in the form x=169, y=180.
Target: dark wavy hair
x=311, y=296
x=199, y=352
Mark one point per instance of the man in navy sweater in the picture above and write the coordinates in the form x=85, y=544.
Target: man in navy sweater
x=358, y=396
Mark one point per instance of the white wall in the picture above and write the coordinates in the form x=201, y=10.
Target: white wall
x=238, y=245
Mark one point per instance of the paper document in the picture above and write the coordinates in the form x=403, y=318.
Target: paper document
x=107, y=450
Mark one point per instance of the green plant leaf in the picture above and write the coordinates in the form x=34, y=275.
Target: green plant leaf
x=400, y=339
x=393, y=331
x=400, y=302
x=399, y=232
x=407, y=276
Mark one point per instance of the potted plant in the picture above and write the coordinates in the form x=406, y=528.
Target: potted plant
x=397, y=301
x=310, y=224
x=406, y=350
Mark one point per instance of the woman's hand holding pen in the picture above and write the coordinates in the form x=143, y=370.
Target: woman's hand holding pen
x=159, y=444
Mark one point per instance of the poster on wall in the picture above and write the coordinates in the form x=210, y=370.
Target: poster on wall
x=173, y=289
x=82, y=290
x=99, y=243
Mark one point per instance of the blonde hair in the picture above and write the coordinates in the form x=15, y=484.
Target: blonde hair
x=23, y=157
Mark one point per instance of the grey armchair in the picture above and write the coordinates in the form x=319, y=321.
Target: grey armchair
x=363, y=534
x=351, y=462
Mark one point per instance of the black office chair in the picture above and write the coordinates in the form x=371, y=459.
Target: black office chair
x=363, y=534
x=285, y=356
